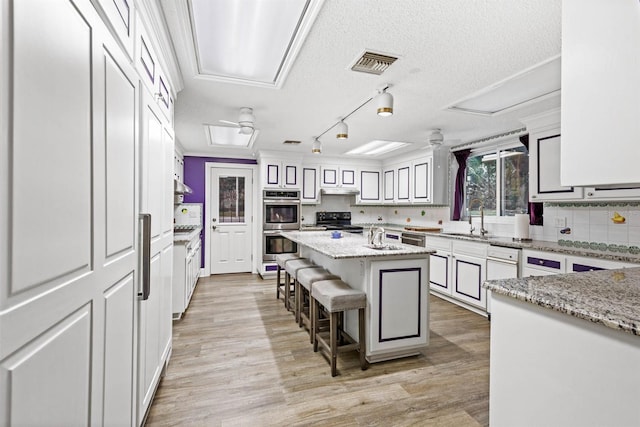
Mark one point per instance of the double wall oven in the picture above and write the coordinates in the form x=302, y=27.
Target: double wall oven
x=281, y=211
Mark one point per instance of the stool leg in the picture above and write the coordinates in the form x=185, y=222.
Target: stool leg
x=312, y=317
x=278, y=270
x=314, y=323
x=296, y=296
x=287, y=291
x=362, y=340
x=333, y=330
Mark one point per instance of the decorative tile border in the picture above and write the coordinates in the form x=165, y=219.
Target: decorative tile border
x=592, y=204
x=623, y=249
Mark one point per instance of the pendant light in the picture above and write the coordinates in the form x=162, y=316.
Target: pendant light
x=343, y=130
x=316, y=147
x=385, y=104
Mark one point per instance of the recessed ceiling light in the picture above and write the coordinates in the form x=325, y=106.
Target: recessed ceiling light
x=533, y=84
x=228, y=137
x=252, y=41
x=376, y=147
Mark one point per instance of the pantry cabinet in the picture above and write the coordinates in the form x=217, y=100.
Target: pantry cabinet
x=600, y=86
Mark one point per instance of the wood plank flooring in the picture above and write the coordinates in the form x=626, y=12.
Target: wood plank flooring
x=239, y=359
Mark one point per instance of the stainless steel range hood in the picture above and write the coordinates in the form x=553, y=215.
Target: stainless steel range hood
x=181, y=188
x=340, y=191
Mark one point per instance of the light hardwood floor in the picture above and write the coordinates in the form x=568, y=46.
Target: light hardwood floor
x=239, y=359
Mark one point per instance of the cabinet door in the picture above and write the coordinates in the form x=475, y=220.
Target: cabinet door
x=389, y=186
x=310, y=185
x=329, y=176
x=440, y=272
x=403, y=184
x=468, y=276
x=290, y=175
x=369, y=186
x=271, y=174
x=347, y=177
x=600, y=86
x=422, y=181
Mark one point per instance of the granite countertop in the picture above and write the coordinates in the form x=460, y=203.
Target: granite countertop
x=349, y=245
x=608, y=297
x=185, y=237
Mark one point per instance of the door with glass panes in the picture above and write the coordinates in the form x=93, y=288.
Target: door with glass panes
x=231, y=198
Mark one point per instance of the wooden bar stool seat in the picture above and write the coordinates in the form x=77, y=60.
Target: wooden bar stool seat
x=306, y=278
x=291, y=268
x=337, y=297
x=281, y=260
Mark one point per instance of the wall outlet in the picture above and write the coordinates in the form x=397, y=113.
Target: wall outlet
x=561, y=221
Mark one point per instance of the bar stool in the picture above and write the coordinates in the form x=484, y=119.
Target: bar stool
x=291, y=268
x=306, y=278
x=337, y=297
x=281, y=260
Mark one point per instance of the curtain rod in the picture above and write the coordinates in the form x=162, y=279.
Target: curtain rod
x=515, y=132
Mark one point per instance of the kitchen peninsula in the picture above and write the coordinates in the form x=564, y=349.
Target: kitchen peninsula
x=565, y=350
x=395, y=279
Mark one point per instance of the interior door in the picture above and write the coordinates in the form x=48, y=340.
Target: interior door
x=231, y=220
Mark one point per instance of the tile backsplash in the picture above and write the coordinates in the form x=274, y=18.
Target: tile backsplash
x=615, y=225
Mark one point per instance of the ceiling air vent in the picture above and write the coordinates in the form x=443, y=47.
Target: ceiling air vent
x=291, y=142
x=373, y=63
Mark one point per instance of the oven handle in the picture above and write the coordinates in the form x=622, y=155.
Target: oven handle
x=271, y=232
x=281, y=201
x=502, y=260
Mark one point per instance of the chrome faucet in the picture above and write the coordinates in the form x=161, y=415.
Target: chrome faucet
x=376, y=235
x=483, y=231
x=471, y=227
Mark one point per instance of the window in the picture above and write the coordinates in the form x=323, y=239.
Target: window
x=498, y=180
x=231, y=202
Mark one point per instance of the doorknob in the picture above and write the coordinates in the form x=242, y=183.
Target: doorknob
x=213, y=219
x=213, y=227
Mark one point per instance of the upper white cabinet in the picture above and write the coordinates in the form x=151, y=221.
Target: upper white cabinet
x=420, y=180
x=310, y=189
x=337, y=176
x=120, y=18
x=369, y=179
x=544, y=159
x=600, y=86
x=281, y=174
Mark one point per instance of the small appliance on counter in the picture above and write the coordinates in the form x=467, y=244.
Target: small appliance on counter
x=187, y=217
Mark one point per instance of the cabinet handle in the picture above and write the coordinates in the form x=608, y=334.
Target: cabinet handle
x=534, y=196
x=590, y=194
x=146, y=256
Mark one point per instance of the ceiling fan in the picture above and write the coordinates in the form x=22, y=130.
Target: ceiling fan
x=245, y=121
x=436, y=138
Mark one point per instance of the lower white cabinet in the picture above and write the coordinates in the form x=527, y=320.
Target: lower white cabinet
x=186, y=270
x=541, y=263
x=457, y=271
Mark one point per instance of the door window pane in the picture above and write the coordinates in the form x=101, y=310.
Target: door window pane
x=231, y=202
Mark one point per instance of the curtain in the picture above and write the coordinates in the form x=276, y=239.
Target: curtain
x=535, y=209
x=458, y=197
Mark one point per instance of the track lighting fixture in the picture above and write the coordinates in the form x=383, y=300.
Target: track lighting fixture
x=316, y=147
x=343, y=130
x=385, y=104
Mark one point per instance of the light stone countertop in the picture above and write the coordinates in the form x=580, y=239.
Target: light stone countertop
x=608, y=297
x=186, y=237
x=349, y=245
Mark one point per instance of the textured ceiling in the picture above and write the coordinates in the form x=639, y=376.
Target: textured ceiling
x=448, y=50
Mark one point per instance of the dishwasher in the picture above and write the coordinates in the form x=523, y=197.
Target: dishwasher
x=502, y=263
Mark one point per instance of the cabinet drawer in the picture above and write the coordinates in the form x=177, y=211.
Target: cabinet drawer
x=542, y=262
x=441, y=243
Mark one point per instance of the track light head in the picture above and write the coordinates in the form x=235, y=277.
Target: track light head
x=343, y=130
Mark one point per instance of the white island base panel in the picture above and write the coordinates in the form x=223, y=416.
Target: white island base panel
x=397, y=321
x=551, y=369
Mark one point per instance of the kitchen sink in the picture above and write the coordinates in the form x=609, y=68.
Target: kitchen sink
x=384, y=247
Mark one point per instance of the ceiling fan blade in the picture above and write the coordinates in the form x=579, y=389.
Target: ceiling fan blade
x=229, y=122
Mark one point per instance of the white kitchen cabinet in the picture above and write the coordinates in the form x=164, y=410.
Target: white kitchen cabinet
x=178, y=167
x=600, y=86
x=576, y=264
x=281, y=174
x=337, y=176
x=403, y=189
x=422, y=180
x=469, y=272
x=613, y=192
x=544, y=159
x=186, y=271
x=310, y=189
x=422, y=183
x=388, y=186
x=120, y=14
x=539, y=263
x=440, y=264
x=369, y=183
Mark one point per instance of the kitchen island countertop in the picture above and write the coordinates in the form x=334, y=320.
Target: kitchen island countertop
x=349, y=245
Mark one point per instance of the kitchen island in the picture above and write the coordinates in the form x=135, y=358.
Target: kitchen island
x=395, y=280
x=565, y=350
